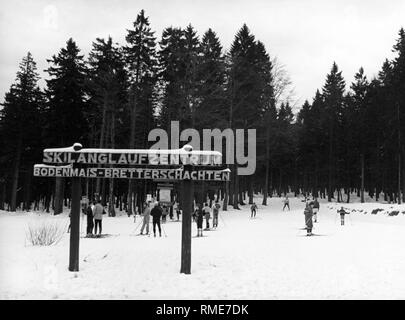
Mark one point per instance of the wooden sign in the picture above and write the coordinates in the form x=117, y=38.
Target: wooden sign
x=41, y=170
x=179, y=164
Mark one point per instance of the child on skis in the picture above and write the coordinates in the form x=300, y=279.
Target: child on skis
x=253, y=210
x=342, y=213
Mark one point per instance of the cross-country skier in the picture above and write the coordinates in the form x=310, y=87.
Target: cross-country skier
x=156, y=213
x=315, y=209
x=253, y=209
x=215, y=213
x=207, y=215
x=308, y=218
x=146, y=218
x=164, y=214
x=286, y=203
x=342, y=213
x=176, y=207
x=90, y=223
x=98, y=212
x=199, y=217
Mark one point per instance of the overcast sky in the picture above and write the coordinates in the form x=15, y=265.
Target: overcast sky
x=305, y=35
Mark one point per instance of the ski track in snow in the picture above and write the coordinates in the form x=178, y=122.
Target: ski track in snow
x=264, y=258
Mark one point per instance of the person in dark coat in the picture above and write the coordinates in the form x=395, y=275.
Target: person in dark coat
x=286, y=203
x=308, y=218
x=199, y=214
x=156, y=214
x=164, y=213
x=90, y=222
x=253, y=210
x=342, y=213
x=207, y=215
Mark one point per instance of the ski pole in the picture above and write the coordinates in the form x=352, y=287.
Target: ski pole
x=138, y=225
x=164, y=232
x=222, y=219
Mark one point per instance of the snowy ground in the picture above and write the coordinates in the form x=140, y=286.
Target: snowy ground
x=264, y=258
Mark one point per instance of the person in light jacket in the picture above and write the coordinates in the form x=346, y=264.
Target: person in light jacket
x=146, y=218
x=308, y=218
x=98, y=212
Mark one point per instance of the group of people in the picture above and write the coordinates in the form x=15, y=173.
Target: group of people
x=205, y=212
x=94, y=213
x=156, y=211
x=311, y=214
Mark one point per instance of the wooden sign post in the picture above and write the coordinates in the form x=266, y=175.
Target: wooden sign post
x=188, y=196
x=172, y=165
x=75, y=225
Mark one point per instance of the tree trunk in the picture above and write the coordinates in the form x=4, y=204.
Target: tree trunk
x=15, y=176
x=27, y=187
x=59, y=194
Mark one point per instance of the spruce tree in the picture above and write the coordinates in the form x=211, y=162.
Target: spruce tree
x=20, y=126
x=333, y=93
x=66, y=105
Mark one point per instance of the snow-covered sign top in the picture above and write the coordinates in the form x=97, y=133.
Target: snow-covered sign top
x=185, y=155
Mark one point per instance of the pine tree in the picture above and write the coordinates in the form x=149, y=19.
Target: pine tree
x=355, y=126
x=66, y=105
x=399, y=89
x=211, y=73
x=141, y=60
x=333, y=93
x=140, y=54
x=20, y=126
x=108, y=85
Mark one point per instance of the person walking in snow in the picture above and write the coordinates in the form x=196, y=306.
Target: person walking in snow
x=164, y=214
x=315, y=209
x=199, y=217
x=98, y=212
x=308, y=218
x=286, y=203
x=176, y=207
x=342, y=213
x=90, y=222
x=207, y=215
x=146, y=218
x=156, y=213
x=253, y=209
x=215, y=213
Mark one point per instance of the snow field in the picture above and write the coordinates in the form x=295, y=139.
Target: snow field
x=268, y=257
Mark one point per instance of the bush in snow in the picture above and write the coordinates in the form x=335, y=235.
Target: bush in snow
x=375, y=211
x=46, y=233
x=393, y=213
